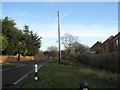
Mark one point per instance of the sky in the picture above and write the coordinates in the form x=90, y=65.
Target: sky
x=90, y=21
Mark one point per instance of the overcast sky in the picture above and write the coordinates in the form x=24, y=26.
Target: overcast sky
x=90, y=21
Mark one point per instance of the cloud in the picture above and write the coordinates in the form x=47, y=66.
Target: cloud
x=88, y=34
x=76, y=30
x=95, y=30
x=89, y=30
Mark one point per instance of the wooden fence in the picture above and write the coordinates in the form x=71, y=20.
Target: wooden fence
x=15, y=58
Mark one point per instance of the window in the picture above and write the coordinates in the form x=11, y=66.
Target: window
x=116, y=42
x=119, y=40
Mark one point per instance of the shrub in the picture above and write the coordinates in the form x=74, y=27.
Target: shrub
x=104, y=61
x=99, y=50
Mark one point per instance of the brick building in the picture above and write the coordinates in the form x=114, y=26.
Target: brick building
x=112, y=44
x=117, y=42
x=95, y=46
x=108, y=45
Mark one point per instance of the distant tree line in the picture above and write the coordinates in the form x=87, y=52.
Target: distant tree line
x=51, y=51
x=72, y=47
x=15, y=41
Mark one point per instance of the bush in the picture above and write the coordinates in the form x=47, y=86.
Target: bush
x=104, y=61
x=99, y=50
x=40, y=56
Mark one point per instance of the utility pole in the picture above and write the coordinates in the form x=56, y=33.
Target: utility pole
x=59, y=36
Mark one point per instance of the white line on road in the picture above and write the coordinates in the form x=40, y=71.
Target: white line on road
x=25, y=76
x=20, y=65
x=5, y=69
x=10, y=68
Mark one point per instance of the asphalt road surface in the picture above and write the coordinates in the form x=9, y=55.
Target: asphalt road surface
x=14, y=73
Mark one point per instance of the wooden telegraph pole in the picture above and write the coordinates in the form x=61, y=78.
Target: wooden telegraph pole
x=59, y=36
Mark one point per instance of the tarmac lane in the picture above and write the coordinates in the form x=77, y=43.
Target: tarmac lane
x=13, y=73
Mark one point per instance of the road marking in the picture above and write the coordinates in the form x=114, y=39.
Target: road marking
x=11, y=68
x=23, y=65
x=39, y=66
x=25, y=75
x=20, y=65
x=5, y=69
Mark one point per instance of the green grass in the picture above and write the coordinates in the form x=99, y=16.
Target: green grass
x=70, y=75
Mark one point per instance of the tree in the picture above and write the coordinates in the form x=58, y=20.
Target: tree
x=12, y=33
x=78, y=47
x=47, y=53
x=72, y=46
x=68, y=40
x=16, y=41
x=99, y=50
x=3, y=43
x=29, y=43
x=32, y=41
x=0, y=27
x=53, y=51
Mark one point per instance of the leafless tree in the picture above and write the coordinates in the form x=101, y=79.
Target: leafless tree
x=53, y=51
x=68, y=40
x=72, y=45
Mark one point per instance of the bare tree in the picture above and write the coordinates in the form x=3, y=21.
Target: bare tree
x=78, y=47
x=53, y=51
x=72, y=45
x=68, y=40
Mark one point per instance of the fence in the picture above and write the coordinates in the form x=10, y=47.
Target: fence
x=15, y=58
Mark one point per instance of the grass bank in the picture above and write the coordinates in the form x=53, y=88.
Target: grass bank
x=70, y=75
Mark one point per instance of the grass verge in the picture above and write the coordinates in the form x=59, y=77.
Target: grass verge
x=70, y=75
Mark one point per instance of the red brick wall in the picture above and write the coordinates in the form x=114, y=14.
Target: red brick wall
x=111, y=45
x=95, y=46
x=108, y=45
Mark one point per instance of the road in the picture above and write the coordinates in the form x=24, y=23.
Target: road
x=14, y=73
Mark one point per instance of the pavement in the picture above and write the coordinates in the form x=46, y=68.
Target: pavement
x=14, y=73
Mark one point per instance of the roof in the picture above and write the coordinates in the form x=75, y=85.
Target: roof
x=96, y=44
